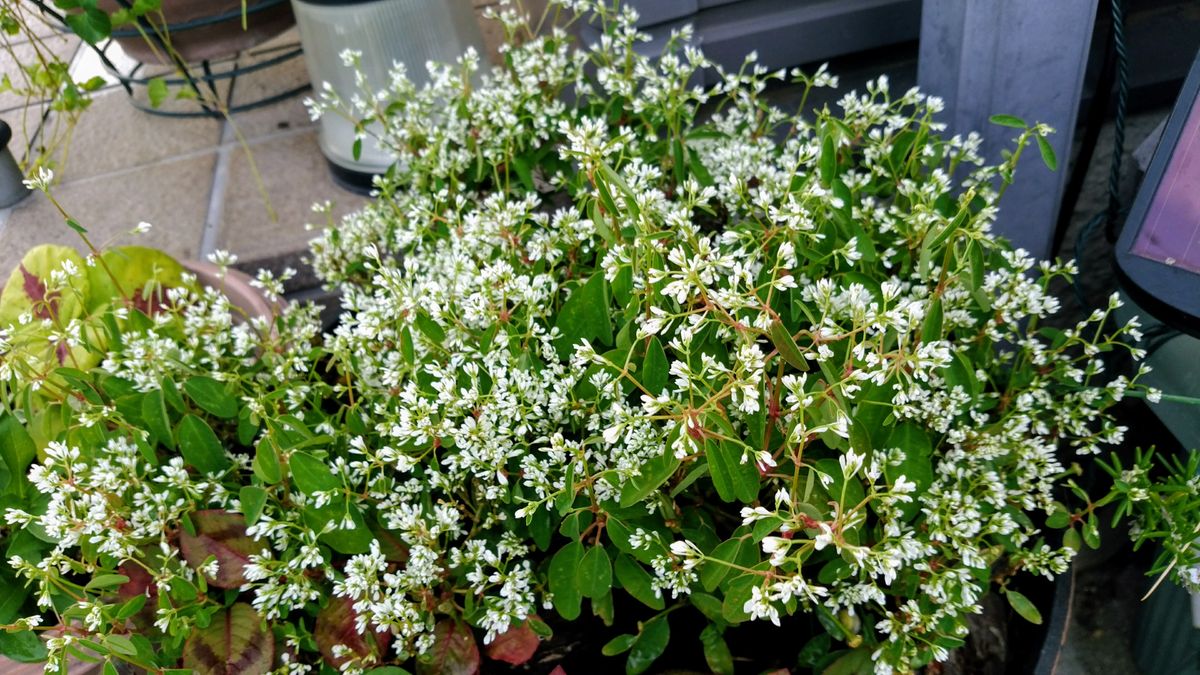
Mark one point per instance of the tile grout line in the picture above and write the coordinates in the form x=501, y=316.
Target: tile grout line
x=210, y=235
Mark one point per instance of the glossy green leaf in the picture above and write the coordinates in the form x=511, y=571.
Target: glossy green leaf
x=211, y=396
x=1047, y=152
x=716, y=652
x=655, y=371
x=311, y=475
x=156, y=91
x=786, y=346
x=1023, y=606
x=266, y=462
x=637, y=582
x=584, y=316
x=735, y=480
x=200, y=447
x=618, y=645
x=650, y=644
x=595, y=573
x=654, y=473
x=564, y=580
x=1008, y=121
x=252, y=499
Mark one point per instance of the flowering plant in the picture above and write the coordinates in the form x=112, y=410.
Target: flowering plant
x=607, y=336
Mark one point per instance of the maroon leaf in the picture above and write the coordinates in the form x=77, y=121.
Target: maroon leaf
x=221, y=534
x=454, y=651
x=235, y=643
x=337, y=624
x=45, y=306
x=515, y=646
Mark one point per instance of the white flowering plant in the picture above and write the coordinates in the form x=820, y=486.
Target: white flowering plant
x=607, y=335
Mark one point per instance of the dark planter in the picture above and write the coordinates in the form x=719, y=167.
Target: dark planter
x=202, y=30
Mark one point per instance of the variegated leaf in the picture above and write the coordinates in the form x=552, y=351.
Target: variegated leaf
x=237, y=642
x=223, y=535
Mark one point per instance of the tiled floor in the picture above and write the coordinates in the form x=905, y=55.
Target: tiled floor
x=189, y=177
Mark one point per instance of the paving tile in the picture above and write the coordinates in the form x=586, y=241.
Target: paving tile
x=112, y=135
x=295, y=176
x=53, y=46
x=270, y=81
x=173, y=196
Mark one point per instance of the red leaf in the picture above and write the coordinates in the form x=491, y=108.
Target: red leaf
x=221, y=534
x=337, y=624
x=454, y=651
x=515, y=646
x=44, y=306
x=558, y=670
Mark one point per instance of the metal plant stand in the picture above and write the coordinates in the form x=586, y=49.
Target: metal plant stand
x=201, y=78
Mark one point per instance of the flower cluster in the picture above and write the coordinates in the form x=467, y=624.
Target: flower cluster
x=604, y=331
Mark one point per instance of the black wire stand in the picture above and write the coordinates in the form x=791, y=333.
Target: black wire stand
x=202, y=78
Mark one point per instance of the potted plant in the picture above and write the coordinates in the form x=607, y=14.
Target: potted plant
x=604, y=368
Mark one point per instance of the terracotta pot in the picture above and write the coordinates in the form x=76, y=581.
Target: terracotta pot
x=211, y=40
x=236, y=286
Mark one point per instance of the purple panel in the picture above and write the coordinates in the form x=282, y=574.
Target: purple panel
x=1171, y=231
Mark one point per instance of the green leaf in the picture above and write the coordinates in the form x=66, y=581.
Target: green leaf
x=92, y=25
x=650, y=644
x=387, y=670
x=595, y=573
x=654, y=473
x=828, y=161
x=235, y=641
x=734, y=479
x=637, y=582
x=618, y=645
x=356, y=149
x=200, y=447
x=584, y=316
x=312, y=475
x=716, y=652
x=211, y=396
x=1008, y=121
x=252, y=499
x=119, y=644
x=1023, y=606
x=1048, y=156
x=106, y=581
x=786, y=346
x=23, y=646
x=855, y=662
x=738, y=551
x=430, y=328
x=17, y=451
x=931, y=331
x=914, y=442
x=156, y=91
x=564, y=580
x=266, y=462
x=655, y=368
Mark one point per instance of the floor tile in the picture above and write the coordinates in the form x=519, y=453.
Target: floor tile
x=273, y=80
x=173, y=196
x=295, y=176
x=112, y=135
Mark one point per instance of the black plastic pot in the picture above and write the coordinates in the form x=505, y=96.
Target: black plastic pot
x=12, y=187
